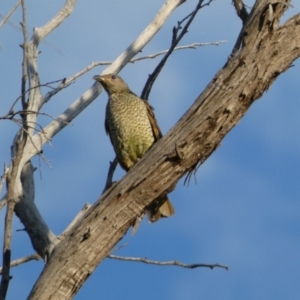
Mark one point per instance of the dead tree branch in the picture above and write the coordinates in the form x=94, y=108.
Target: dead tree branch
x=23, y=260
x=241, y=10
x=6, y=18
x=178, y=34
x=166, y=263
x=244, y=78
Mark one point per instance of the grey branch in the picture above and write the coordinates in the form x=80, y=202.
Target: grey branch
x=6, y=18
x=167, y=263
x=2, y=180
x=66, y=82
x=111, y=170
x=240, y=10
x=42, y=32
x=191, y=46
x=22, y=260
x=201, y=129
x=2, y=202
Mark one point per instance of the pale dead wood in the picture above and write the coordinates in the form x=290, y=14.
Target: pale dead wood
x=23, y=260
x=12, y=177
x=166, y=263
x=6, y=18
x=266, y=51
x=67, y=81
x=111, y=170
x=183, y=47
x=42, y=239
x=178, y=34
x=2, y=202
x=2, y=181
x=144, y=260
x=42, y=32
x=241, y=10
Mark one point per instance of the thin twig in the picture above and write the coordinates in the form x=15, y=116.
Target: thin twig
x=241, y=10
x=11, y=110
x=3, y=177
x=2, y=202
x=67, y=81
x=119, y=247
x=40, y=153
x=42, y=32
x=6, y=250
x=175, y=40
x=5, y=19
x=23, y=260
x=12, y=176
x=110, y=174
x=167, y=263
x=191, y=46
x=19, y=28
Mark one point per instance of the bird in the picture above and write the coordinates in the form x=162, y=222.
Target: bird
x=133, y=129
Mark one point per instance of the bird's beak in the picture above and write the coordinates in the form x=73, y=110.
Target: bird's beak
x=98, y=78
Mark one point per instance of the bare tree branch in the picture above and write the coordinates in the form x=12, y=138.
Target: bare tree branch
x=23, y=260
x=11, y=112
x=111, y=170
x=175, y=40
x=244, y=78
x=2, y=202
x=166, y=263
x=94, y=91
x=241, y=10
x=42, y=32
x=184, y=47
x=45, y=41
x=3, y=177
x=12, y=177
x=35, y=256
x=67, y=81
x=5, y=19
x=42, y=238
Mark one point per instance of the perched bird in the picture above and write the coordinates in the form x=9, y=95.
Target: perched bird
x=132, y=128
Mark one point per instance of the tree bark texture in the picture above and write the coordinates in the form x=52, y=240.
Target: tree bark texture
x=263, y=51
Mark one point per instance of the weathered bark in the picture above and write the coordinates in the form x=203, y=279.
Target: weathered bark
x=263, y=51
x=42, y=238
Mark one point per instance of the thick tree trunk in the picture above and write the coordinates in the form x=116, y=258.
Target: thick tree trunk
x=263, y=51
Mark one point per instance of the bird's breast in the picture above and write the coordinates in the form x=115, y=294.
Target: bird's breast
x=129, y=128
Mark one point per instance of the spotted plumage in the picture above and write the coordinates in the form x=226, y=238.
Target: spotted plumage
x=132, y=128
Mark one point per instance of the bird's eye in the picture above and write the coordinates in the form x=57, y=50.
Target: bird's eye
x=113, y=76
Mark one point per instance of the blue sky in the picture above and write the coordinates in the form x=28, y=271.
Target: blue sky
x=244, y=209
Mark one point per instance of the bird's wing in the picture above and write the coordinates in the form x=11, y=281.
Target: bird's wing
x=106, y=121
x=156, y=131
x=106, y=125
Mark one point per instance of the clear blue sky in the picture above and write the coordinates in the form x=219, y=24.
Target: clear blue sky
x=244, y=209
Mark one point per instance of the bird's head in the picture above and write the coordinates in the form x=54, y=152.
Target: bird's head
x=112, y=83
